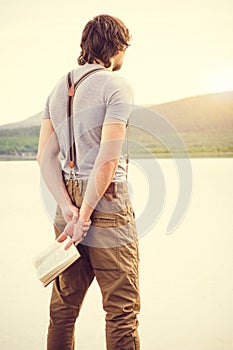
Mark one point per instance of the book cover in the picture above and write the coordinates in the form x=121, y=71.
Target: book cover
x=54, y=260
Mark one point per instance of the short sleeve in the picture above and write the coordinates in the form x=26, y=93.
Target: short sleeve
x=119, y=99
x=46, y=112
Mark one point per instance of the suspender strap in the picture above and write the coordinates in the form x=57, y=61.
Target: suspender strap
x=69, y=113
x=127, y=151
x=72, y=87
x=71, y=92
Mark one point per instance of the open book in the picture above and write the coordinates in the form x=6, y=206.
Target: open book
x=54, y=260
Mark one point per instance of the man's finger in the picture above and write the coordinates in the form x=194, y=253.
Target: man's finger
x=77, y=242
x=85, y=228
x=69, y=244
x=62, y=237
x=87, y=223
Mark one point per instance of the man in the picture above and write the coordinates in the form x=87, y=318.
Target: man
x=94, y=207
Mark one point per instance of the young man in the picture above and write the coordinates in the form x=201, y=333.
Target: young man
x=94, y=207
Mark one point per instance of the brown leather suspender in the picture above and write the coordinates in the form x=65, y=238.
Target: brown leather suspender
x=72, y=87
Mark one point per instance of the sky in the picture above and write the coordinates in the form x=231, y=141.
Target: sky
x=179, y=48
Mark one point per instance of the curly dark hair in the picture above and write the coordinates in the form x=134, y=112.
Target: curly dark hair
x=102, y=38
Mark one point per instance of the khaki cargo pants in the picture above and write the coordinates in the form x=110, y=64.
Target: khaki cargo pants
x=109, y=253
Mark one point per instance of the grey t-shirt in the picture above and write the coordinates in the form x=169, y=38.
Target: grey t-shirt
x=103, y=95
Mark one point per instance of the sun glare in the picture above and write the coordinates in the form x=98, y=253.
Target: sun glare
x=222, y=81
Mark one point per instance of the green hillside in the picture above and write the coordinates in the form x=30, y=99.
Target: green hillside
x=20, y=142
x=205, y=123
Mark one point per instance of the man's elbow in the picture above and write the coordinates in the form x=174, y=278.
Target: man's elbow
x=46, y=156
x=39, y=158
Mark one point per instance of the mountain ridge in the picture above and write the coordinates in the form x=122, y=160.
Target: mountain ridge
x=25, y=123
x=169, y=108
x=205, y=122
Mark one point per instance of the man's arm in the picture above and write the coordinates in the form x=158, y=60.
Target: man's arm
x=50, y=165
x=113, y=133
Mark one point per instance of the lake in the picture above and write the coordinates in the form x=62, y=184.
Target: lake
x=186, y=277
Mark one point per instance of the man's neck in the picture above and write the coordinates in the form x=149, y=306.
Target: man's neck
x=102, y=64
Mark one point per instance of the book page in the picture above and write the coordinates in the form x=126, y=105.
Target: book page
x=53, y=257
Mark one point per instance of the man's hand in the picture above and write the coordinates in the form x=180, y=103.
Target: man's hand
x=76, y=231
x=70, y=213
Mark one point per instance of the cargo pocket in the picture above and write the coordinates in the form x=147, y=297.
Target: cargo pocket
x=104, y=220
x=111, y=212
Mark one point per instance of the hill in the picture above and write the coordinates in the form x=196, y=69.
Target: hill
x=204, y=122
x=26, y=123
x=20, y=140
x=205, y=112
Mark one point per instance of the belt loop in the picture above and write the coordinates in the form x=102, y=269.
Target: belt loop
x=80, y=187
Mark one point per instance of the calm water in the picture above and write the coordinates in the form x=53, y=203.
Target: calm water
x=186, y=277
